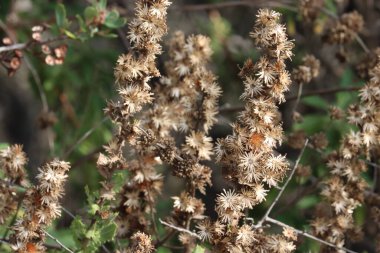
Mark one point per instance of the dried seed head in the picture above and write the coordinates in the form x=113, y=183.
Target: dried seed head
x=297, y=139
x=308, y=70
x=13, y=160
x=310, y=9
x=37, y=36
x=15, y=63
x=7, y=41
x=345, y=29
x=45, y=49
x=319, y=141
x=336, y=113
x=49, y=60
x=37, y=28
x=140, y=243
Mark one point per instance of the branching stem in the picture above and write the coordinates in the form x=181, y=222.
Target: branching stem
x=266, y=215
x=180, y=229
x=58, y=242
x=305, y=234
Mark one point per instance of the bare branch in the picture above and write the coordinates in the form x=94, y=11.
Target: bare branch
x=305, y=94
x=38, y=82
x=84, y=137
x=13, y=47
x=374, y=165
x=305, y=234
x=58, y=242
x=21, y=46
x=180, y=229
x=266, y=215
x=299, y=95
x=259, y=3
x=68, y=212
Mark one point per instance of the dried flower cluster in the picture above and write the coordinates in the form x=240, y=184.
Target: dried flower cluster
x=310, y=9
x=345, y=188
x=308, y=70
x=194, y=93
x=133, y=73
x=248, y=156
x=140, y=243
x=12, y=162
x=41, y=204
x=193, y=90
x=345, y=29
x=11, y=60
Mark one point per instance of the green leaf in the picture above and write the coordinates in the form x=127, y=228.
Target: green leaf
x=78, y=229
x=113, y=20
x=82, y=24
x=118, y=179
x=93, y=31
x=163, y=250
x=347, y=78
x=83, y=36
x=93, y=209
x=70, y=34
x=199, y=249
x=94, y=235
x=102, y=4
x=90, y=195
x=60, y=16
x=78, y=226
x=313, y=123
x=109, y=35
x=90, y=13
x=3, y=145
x=344, y=99
x=316, y=101
x=307, y=202
x=108, y=232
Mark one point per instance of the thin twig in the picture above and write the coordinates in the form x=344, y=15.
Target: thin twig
x=180, y=229
x=205, y=7
x=38, y=82
x=86, y=157
x=68, y=212
x=10, y=184
x=300, y=194
x=305, y=234
x=373, y=164
x=106, y=249
x=14, y=47
x=45, y=106
x=20, y=46
x=266, y=215
x=14, y=216
x=299, y=95
x=305, y=94
x=58, y=242
x=158, y=242
x=326, y=91
x=361, y=43
x=357, y=37
x=83, y=138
